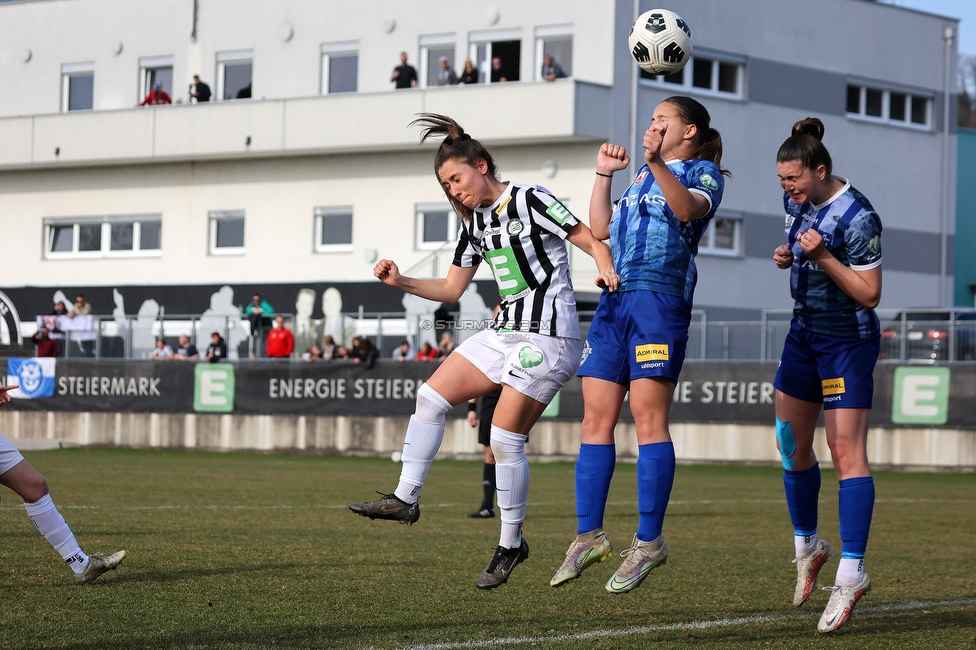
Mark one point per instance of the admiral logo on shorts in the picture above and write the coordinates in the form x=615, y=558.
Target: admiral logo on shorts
x=651, y=355
x=833, y=387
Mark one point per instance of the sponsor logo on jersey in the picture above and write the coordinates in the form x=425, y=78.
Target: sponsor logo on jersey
x=558, y=212
x=709, y=182
x=833, y=386
x=874, y=244
x=651, y=352
x=492, y=232
x=515, y=227
x=641, y=176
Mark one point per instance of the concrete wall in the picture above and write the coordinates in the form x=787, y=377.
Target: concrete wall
x=550, y=440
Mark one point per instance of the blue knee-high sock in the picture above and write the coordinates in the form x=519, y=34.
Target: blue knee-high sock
x=802, y=497
x=594, y=469
x=655, y=477
x=856, y=504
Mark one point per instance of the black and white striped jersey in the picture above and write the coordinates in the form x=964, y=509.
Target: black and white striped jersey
x=522, y=236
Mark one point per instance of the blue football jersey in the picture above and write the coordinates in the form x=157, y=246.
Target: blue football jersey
x=852, y=233
x=652, y=249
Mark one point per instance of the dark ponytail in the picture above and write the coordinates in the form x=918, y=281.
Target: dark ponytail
x=457, y=145
x=805, y=145
x=708, y=140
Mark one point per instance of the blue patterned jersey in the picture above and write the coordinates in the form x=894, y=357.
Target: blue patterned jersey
x=653, y=249
x=852, y=233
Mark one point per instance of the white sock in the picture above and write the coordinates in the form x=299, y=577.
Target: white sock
x=805, y=544
x=849, y=571
x=512, y=479
x=55, y=530
x=424, y=435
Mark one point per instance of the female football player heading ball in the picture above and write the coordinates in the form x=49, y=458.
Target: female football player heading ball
x=533, y=346
x=638, y=336
x=833, y=251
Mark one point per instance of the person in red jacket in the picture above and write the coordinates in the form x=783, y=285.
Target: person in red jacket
x=46, y=346
x=281, y=342
x=156, y=96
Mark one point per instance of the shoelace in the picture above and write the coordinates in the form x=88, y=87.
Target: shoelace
x=496, y=559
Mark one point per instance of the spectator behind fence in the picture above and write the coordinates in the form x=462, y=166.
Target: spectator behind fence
x=314, y=353
x=156, y=96
x=217, y=351
x=469, y=75
x=46, y=346
x=404, y=75
x=446, y=346
x=551, y=70
x=498, y=72
x=328, y=347
x=445, y=76
x=161, y=351
x=404, y=351
x=259, y=314
x=186, y=350
x=80, y=308
x=199, y=90
x=59, y=309
x=363, y=352
x=340, y=353
x=427, y=352
x=281, y=342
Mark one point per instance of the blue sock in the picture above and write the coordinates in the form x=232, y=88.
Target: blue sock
x=802, y=497
x=856, y=504
x=655, y=476
x=594, y=469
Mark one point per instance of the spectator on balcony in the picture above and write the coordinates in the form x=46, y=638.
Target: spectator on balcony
x=551, y=70
x=156, y=96
x=59, y=309
x=186, y=350
x=46, y=346
x=445, y=76
x=217, y=351
x=199, y=91
x=281, y=342
x=404, y=75
x=427, y=352
x=162, y=350
x=363, y=352
x=80, y=308
x=404, y=351
x=341, y=352
x=314, y=353
x=469, y=75
x=446, y=346
x=328, y=347
x=244, y=93
x=259, y=314
x=498, y=72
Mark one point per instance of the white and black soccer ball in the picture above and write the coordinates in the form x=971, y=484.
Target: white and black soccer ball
x=660, y=42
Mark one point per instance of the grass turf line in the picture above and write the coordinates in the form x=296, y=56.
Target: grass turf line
x=254, y=551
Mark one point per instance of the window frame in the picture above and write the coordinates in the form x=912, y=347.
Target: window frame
x=687, y=83
x=338, y=49
x=707, y=244
x=215, y=216
x=486, y=38
x=430, y=42
x=50, y=224
x=148, y=64
x=320, y=213
x=69, y=70
x=887, y=90
x=552, y=33
x=421, y=210
x=231, y=57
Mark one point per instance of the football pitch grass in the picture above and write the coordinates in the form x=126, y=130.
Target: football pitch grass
x=237, y=550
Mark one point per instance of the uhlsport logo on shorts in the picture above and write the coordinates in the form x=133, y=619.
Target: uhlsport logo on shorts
x=651, y=352
x=213, y=388
x=34, y=376
x=833, y=386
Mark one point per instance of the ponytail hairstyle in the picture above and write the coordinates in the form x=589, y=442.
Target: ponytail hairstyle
x=708, y=140
x=805, y=145
x=457, y=145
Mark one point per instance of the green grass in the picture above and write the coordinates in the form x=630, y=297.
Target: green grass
x=258, y=551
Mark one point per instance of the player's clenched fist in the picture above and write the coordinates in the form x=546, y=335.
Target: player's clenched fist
x=386, y=271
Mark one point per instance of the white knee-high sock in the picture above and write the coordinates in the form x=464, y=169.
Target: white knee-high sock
x=512, y=478
x=55, y=530
x=424, y=434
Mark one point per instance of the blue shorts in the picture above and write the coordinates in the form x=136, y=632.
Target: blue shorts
x=636, y=334
x=839, y=372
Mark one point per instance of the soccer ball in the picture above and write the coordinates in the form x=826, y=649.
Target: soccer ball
x=660, y=41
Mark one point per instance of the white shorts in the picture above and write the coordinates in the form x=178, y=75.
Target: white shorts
x=9, y=456
x=533, y=364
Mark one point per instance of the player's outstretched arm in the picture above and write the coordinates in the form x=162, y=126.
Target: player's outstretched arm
x=447, y=289
x=582, y=237
x=611, y=158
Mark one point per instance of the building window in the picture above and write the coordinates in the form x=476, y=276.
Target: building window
x=108, y=236
x=155, y=69
x=432, y=48
x=340, y=67
x=234, y=74
x=704, y=73
x=890, y=106
x=77, y=86
x=557, y=42
x=504, y=45
x=437, y=224
x=227, y=232
x=723, y=236
x=333, y=229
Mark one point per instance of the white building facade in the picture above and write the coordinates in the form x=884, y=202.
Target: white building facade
x=302, y=170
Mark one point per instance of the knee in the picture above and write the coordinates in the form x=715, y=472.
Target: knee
x=431, y=406
x=507, y=448
x=32, y=488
